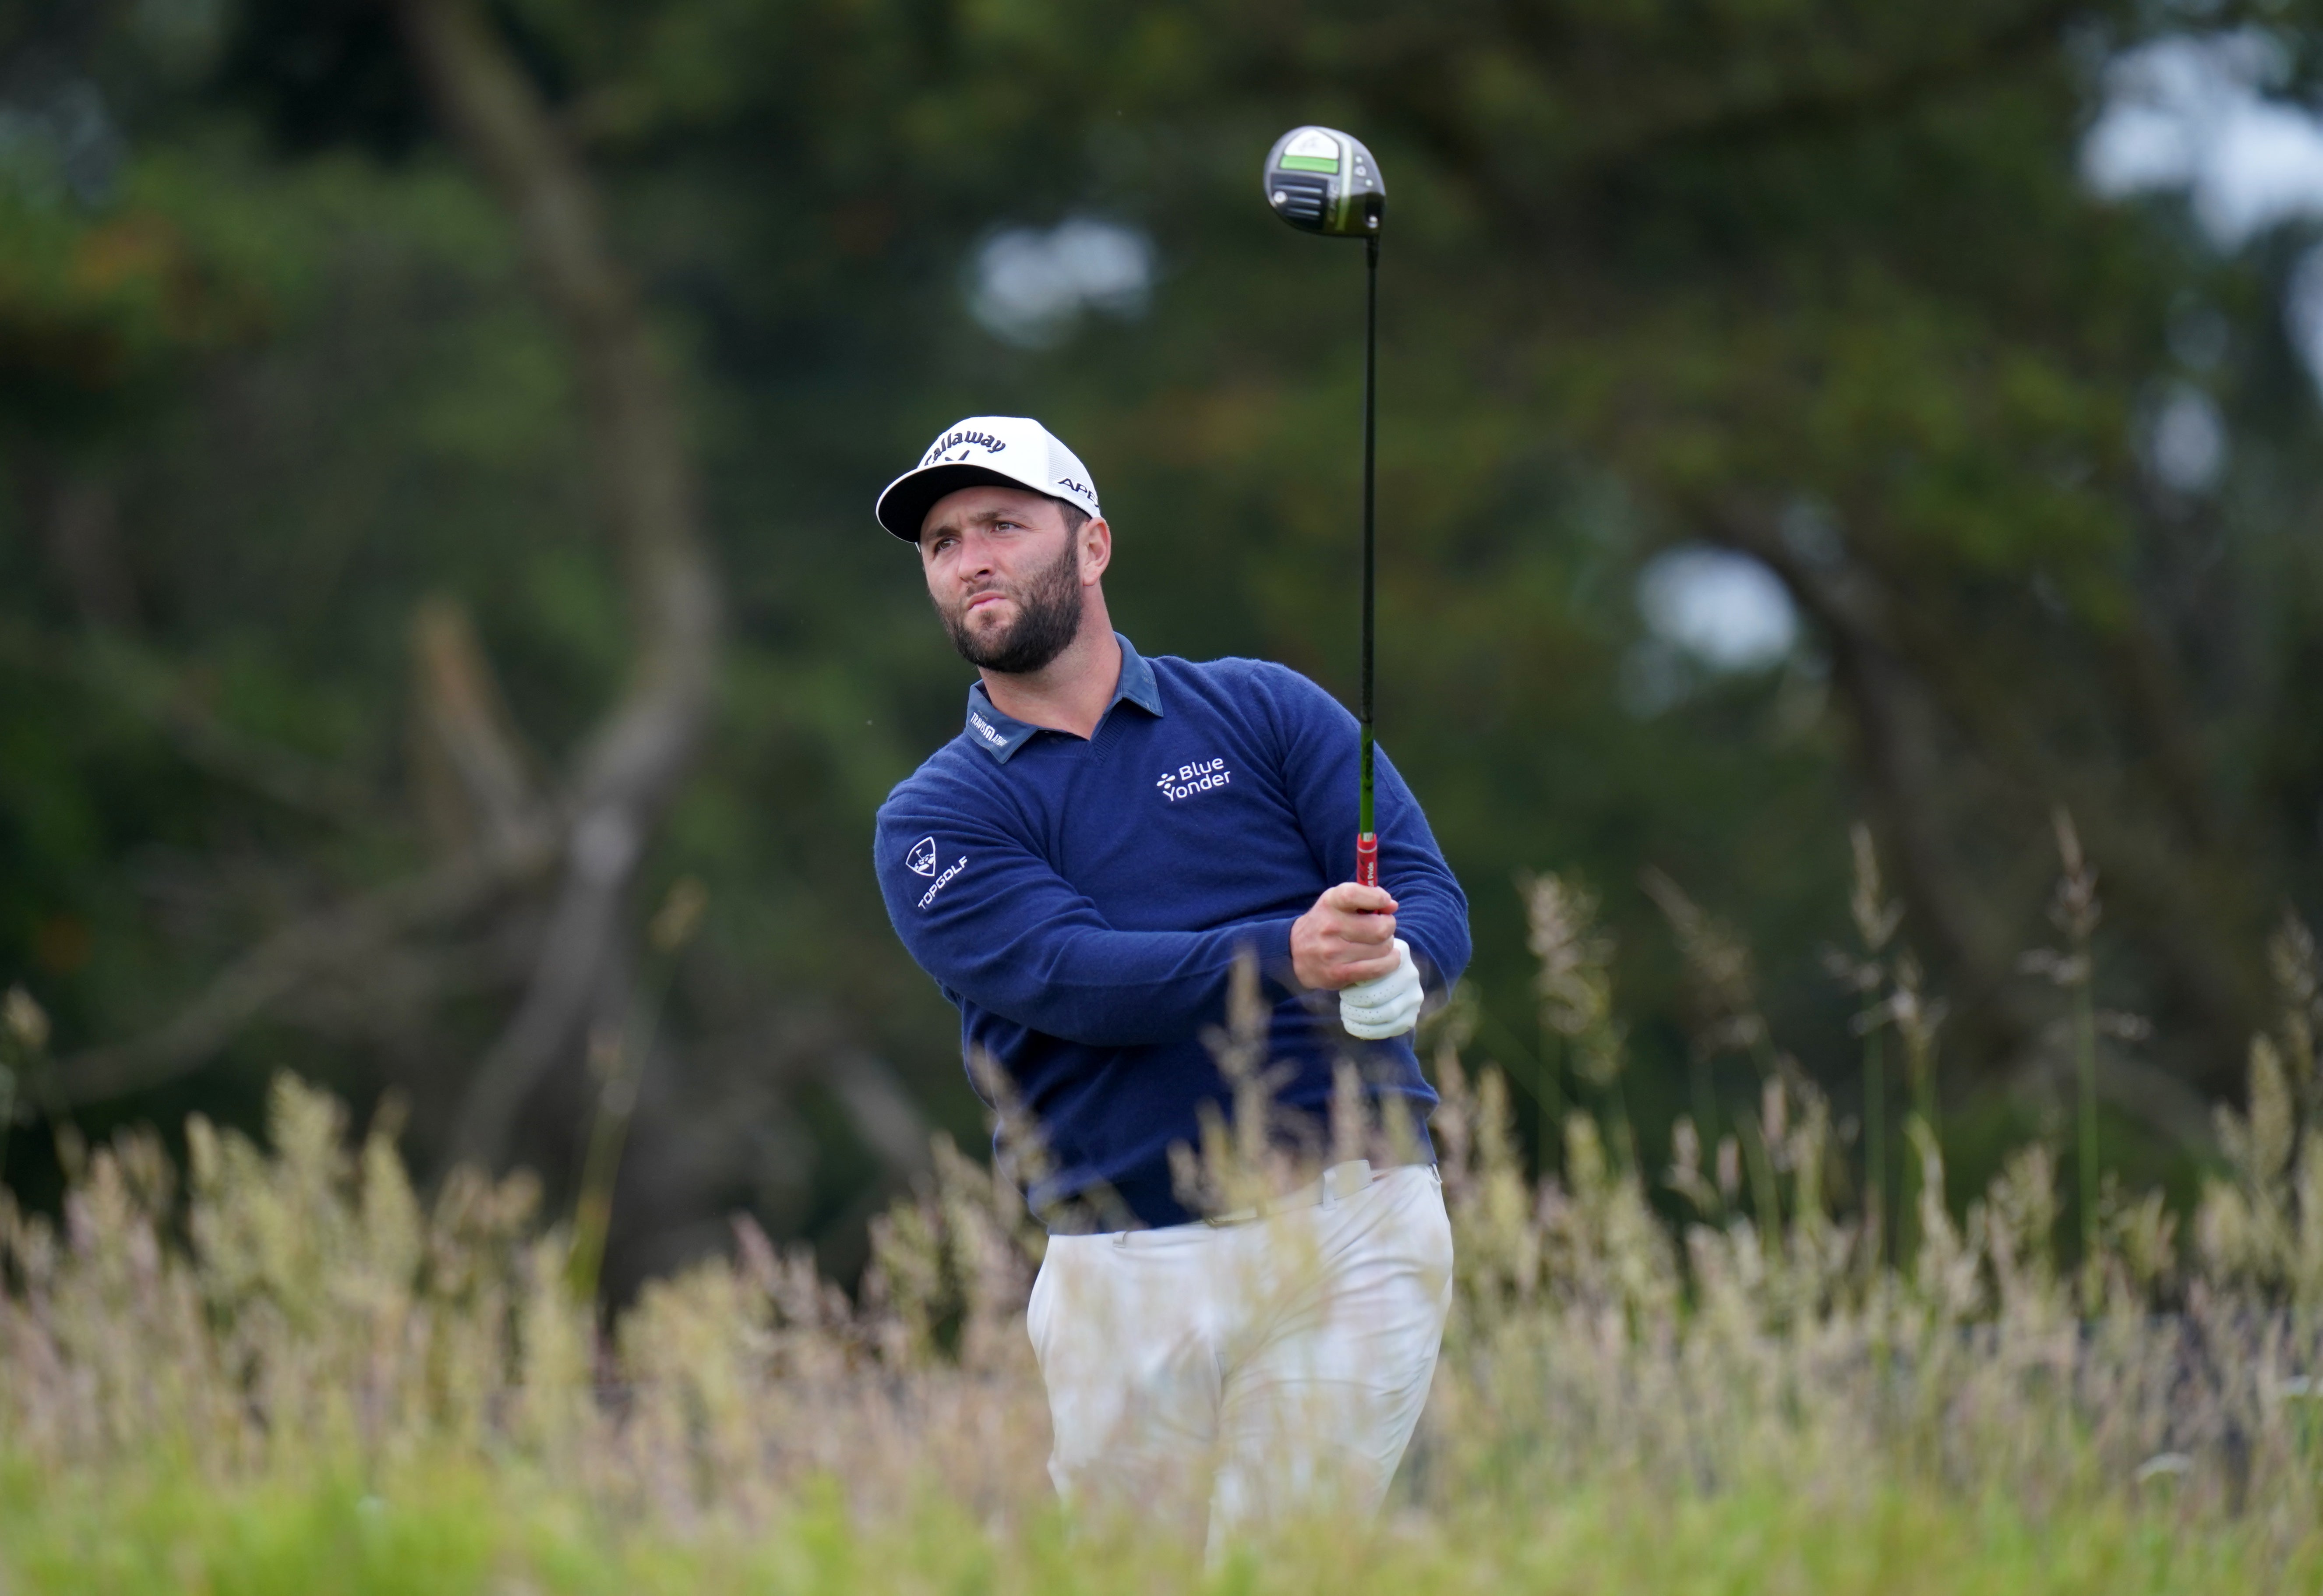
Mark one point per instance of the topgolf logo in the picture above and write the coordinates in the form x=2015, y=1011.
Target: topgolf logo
x=1201, y=777
x=922, y=859
x=943, y=880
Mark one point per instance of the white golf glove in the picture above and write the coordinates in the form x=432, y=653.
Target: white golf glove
x=1386, y=1005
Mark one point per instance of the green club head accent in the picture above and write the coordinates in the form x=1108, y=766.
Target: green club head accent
x=1321, y=181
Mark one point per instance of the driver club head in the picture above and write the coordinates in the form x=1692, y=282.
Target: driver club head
x=1322, y=180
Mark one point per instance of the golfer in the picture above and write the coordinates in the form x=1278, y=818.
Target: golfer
x=1079, y=869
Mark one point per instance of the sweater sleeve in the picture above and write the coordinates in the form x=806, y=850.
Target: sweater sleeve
x=990, y=919
x=1321, y=768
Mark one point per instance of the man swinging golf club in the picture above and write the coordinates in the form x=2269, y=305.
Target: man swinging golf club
x=1080, y=869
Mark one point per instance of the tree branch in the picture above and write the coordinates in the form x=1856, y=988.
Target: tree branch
x=126, y=674
x=471, y=773
x=1853, y=616
x=1816, y=91
x=1886, y=655
x=784, y=1050
x=273, y=971
x=1827, y=98
x=628, y=769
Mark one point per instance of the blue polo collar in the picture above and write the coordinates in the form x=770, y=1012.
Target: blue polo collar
x=1001, y=736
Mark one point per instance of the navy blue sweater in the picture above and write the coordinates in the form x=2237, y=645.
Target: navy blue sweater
x=1082, y=903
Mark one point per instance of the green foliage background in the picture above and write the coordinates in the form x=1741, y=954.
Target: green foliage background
x=1658, y=273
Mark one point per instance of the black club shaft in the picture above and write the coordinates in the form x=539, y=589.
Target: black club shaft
x=1370, y=444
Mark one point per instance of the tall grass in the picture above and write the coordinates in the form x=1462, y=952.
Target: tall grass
x=281, y=1367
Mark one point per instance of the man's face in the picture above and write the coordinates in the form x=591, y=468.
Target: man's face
x=1005, y=576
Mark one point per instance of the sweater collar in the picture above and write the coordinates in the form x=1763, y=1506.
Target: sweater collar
x=1001, y=736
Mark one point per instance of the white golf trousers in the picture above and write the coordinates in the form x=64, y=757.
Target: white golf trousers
x=1248, y=1370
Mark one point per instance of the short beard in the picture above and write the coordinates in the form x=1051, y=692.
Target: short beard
x=1048, y=620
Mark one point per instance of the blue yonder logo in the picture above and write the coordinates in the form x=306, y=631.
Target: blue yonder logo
x=1203, y=776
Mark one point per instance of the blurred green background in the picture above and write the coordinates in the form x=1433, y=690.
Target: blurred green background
x=1793, y=413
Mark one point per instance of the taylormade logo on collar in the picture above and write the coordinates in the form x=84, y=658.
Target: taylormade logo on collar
x=1003, y=736
x=988, y=730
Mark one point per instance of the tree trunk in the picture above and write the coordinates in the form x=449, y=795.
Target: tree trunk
x=628, y=769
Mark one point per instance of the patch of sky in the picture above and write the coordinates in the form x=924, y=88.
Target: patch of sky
x=1725, y=608
x=1708, y=611
x=1031, y=287
x=2204, y=115
x=2195, y=113
x=2186, y=442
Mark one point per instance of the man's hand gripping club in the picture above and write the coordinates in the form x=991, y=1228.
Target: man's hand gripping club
x=1346, y=943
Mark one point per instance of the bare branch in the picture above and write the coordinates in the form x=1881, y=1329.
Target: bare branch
x=1802, y=92
x=630, y=766
x=879, y=1107
x=1897, y=673
x=472, y=776
x=783, y=1051
x=1826, y=95
x=272, y=971
x=112, y=667
x=1898, y=764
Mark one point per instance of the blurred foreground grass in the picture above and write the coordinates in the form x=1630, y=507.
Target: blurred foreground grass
x=286, y=1372
x=470, y=1527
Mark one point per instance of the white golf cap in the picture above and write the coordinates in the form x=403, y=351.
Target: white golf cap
x=1012, y=451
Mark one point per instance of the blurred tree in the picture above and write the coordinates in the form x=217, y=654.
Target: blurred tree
x=300, y=612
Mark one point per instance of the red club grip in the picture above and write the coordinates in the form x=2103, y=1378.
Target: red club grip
x=1367, y=859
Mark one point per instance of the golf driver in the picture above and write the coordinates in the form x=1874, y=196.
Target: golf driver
x=1320, y=180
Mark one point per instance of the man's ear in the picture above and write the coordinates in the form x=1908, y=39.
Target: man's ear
x=1096, y=539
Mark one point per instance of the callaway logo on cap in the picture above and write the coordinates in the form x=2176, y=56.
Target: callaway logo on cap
x=1012, y=451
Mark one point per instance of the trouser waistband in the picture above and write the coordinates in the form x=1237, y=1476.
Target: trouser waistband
x=1337, y=1184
